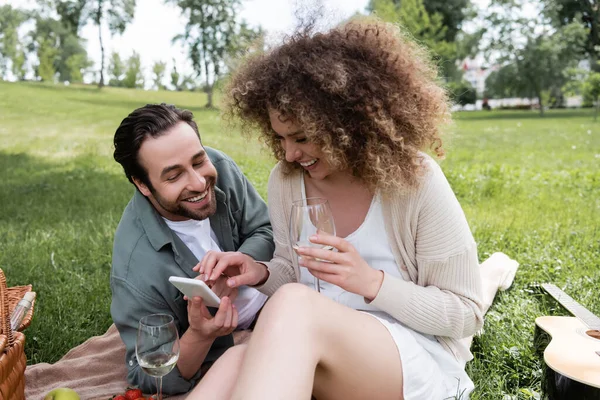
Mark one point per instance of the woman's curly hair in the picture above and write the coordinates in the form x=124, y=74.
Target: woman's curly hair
x=363, y=92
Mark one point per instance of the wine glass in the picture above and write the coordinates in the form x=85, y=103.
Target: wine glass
x=157, y=347
x=310, y=216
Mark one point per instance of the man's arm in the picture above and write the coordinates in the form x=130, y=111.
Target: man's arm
x=249, y=210
x=128, y=306
x=203, y=330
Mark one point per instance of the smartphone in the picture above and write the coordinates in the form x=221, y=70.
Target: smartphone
x=196, y=287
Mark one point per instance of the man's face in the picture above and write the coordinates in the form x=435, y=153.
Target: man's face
x=182, y=176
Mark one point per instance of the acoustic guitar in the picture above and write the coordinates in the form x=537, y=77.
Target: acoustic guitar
x=571, y=348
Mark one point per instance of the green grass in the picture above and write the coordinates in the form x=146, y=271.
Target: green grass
x=530, y=188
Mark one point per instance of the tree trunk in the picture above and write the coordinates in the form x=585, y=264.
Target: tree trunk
x=209, y=95
x=597, y=106
x=99, y=22
x=539, y=96
x=207, y=86
x=101, y=82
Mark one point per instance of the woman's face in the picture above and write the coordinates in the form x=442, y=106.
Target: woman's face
x=297, y=148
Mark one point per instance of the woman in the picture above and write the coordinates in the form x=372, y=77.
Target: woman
x=348, y=113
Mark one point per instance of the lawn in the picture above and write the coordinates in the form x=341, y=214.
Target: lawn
x=530, y=187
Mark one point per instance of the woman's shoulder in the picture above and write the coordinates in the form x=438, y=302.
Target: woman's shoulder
x=429, y=174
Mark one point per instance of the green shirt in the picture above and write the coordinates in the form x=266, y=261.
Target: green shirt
x=146, y=253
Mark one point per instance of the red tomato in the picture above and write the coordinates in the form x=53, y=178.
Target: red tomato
x=120, y=397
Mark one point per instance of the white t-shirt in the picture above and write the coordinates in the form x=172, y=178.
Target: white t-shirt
x=199, y=237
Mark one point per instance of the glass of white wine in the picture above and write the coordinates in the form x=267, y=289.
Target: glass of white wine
x=310, y=216
x=157, y=347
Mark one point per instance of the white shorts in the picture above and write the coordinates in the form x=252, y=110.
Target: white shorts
x=429, y=371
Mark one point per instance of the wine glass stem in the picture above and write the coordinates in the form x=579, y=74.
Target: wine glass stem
x=317, y=285
x=160, y=388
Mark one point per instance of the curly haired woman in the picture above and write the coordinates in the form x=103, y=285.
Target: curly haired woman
x=348, y=114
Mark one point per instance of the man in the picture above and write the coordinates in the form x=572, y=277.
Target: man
x=189, y=200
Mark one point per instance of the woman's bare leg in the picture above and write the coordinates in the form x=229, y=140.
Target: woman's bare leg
x=305, y=343
x=220, y=379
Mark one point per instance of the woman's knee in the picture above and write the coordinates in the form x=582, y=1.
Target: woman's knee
x=292, y=301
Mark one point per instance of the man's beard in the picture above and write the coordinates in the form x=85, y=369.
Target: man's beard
x=178, y=208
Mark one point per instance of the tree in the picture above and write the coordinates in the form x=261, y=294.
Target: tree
x=46, y=55
x=158, y=69
x=45, y=42
x=116, y=70
x=586, y=13
x=212, y=33
x=118, y=14
x=11, y=48
x=134, y=77
x=591, y=88
x=585, y=83
x=424, y=27
x=453, y=14
x=462, y=93
x=72, y=58
x=536, y=69
x=73, y=13
x=175, y=78
x=531, y=52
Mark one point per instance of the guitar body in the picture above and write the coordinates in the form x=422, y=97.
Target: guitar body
x=573, y=366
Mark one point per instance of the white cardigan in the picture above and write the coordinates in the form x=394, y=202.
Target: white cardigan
x=434, y=249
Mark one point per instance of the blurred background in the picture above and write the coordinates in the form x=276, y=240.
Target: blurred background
x=492, y=53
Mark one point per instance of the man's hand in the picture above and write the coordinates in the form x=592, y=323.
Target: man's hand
x=207, y=326
x=240, y=268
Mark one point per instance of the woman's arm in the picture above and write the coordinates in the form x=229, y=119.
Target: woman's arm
x=444, y=296
x=282, y=268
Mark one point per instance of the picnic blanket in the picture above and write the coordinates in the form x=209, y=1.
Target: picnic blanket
x=96, y=368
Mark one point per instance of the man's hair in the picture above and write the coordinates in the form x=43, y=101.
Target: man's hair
x=366, y=94
x=152, y=120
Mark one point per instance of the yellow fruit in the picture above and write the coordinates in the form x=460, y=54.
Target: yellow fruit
x=62, y=394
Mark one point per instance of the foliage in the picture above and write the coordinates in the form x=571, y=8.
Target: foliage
x=45, y=41
x=116, y=70
x=73, y=13
x=117, y=13
x=587, y=14
x=11, y=48
x=462, y=92
x=453, y=13
x=426, y=28
x=181, y=82
x=158, y=69
x=591, y=88
x=46, y=55
x=72, y=58
x=212, y=34
x=134, y=77
x=585, y=83
x=532, y=55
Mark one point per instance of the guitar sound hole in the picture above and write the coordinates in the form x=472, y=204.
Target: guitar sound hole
x=593, y=333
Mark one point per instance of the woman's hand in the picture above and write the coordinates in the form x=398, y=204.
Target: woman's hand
x=240, y=268
x=344, y=268
x=220, y=288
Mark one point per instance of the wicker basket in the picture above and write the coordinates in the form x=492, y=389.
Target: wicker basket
x=12, y=344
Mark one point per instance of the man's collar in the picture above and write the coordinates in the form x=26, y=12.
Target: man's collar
x=158, y=232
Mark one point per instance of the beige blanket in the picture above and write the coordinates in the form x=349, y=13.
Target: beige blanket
x=96, y=368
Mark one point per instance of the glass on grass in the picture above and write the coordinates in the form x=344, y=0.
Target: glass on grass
x=157, y=347
x=308, y=217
